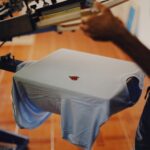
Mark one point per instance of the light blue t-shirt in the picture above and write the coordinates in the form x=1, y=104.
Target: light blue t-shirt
x=84, y=103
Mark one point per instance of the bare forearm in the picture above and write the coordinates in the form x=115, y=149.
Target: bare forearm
x=135, y=49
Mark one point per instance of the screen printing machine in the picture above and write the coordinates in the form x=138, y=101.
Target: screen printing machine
x=81, y=87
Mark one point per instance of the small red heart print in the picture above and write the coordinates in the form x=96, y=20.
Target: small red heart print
x=74, y=78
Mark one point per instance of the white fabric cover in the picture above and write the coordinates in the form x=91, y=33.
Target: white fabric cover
x=84, y=103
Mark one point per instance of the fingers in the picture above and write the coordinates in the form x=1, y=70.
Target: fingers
x=84, y=27
x=85, y=20
x=102, y=8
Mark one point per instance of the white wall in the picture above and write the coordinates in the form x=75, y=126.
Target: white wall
x=144, y=22
x=122, y=11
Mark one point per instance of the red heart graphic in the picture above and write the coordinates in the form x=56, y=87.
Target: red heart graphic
x=74, y=78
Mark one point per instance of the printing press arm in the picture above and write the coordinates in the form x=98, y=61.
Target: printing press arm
x=44, y=19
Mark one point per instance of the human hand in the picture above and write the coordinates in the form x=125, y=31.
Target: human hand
x=102, y=26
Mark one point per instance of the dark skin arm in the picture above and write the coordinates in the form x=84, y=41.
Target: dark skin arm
x=106, y=27
x=135, y=49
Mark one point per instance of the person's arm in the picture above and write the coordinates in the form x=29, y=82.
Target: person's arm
x=105, y=27
x=135, y=49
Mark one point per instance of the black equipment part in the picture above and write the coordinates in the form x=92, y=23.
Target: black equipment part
x=8, y=63
x=12, y=138
x=15, y=27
